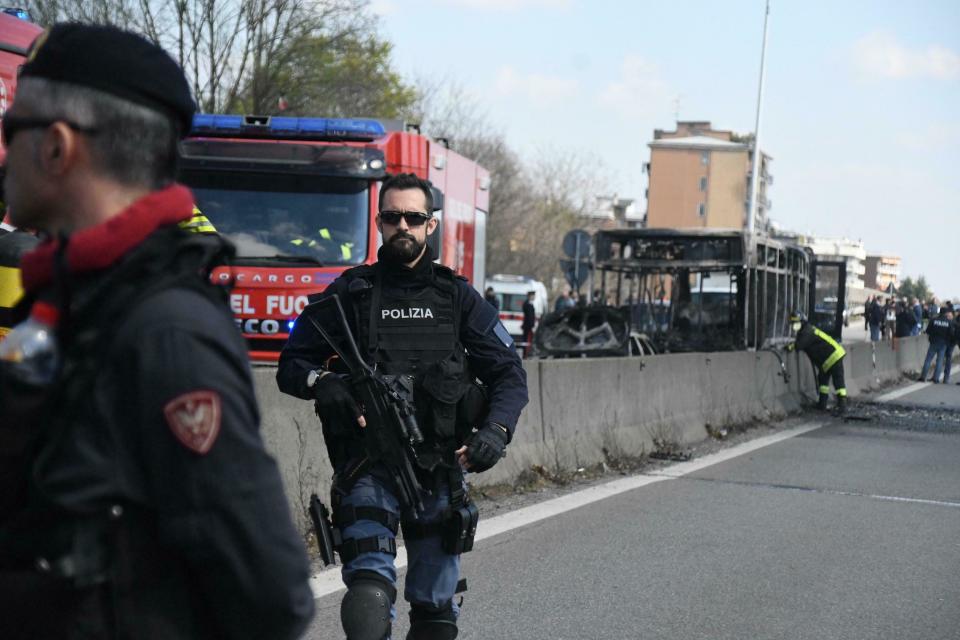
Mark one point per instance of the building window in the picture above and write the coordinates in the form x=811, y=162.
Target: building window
x=701, y=209
x=703, y=183
x=705, y=157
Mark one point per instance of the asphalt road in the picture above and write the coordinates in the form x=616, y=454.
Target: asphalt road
x=848, y=531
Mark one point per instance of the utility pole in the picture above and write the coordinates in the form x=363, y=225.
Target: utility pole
x=755, y=171
x=754, y=192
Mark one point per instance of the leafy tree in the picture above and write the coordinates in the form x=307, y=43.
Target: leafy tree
x=915, y=289
x=906, y=288
x=348, y=76
x=922, y=289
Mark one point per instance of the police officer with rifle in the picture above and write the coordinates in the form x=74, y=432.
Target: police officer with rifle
x=415, y=381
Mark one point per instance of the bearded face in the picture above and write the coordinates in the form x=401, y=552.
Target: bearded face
x=404, y=236
x=402, y=247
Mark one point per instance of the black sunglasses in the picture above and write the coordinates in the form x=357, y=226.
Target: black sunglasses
x=11, y=124
x=413, y=218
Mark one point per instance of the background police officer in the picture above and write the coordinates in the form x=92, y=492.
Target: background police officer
x=152, y=509
x=939, y=332
x=826, y=354
x=410, y=316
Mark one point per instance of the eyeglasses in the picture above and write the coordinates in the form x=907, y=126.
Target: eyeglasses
x=11, y=124
x=413, y=218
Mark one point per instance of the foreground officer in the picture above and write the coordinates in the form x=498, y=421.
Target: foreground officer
x=410, y=317
x=150, y=508
x=826, y=354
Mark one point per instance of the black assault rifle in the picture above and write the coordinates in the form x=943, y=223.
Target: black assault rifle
x=386, y=402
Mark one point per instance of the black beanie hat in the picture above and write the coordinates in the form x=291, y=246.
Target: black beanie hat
x=114, y=61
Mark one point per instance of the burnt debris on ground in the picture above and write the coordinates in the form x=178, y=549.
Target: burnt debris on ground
x=904, y=416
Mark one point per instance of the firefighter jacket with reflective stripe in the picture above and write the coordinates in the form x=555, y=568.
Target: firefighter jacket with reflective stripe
x=198, y=223
x=820, y=346
x=13, y=244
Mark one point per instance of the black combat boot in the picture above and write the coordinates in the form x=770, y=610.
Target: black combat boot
x=822, y=402
x=841, y=404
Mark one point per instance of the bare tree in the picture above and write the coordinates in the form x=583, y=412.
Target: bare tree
x=533, y=202
x=234, y=52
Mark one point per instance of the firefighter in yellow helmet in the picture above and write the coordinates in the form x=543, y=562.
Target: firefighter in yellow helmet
x=826, y=354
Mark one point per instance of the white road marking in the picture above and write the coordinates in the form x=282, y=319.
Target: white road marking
x=328, y=581
x=899, y=393
x=910, y=388
x=936, y=503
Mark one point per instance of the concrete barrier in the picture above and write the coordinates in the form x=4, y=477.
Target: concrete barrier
x=910, y=353
x=291, y=433
x=586, y=411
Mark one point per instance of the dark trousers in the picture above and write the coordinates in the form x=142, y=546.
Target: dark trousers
x=834, y=373
x=528, y=339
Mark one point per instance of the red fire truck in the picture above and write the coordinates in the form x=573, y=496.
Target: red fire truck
x=16, y=35
x=298, y=197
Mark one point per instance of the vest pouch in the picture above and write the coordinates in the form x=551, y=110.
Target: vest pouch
x=445, y=386
x=460, y=529
x=22, y=409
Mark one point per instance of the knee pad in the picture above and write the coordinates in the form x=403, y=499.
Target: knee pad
x=432, y=623
x=365, y=609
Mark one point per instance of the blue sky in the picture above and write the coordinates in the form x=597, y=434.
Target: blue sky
x=861, y=107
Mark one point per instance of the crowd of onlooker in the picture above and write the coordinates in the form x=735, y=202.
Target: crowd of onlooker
x=888, y=319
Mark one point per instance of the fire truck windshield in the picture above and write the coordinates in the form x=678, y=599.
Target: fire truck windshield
x=320, y=219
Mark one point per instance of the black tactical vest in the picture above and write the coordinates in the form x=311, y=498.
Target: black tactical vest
x=415, y=334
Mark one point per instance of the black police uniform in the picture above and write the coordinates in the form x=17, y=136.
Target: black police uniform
x=152, y=509
x=420, y=321
x=149, y=507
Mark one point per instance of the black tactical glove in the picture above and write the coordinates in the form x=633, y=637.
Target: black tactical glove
x=335, y=404
x=486, y=447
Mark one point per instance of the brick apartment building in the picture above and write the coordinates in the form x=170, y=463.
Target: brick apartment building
x=700, y=177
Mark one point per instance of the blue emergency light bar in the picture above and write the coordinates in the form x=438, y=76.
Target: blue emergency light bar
x=16, y=12
x=236, y=126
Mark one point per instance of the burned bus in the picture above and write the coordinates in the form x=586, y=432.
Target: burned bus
x=699, y=290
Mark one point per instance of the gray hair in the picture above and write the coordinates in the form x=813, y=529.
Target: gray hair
x=134, y=145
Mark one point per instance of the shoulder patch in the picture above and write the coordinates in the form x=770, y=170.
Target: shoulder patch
x=501, y=332
x=194, y=418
